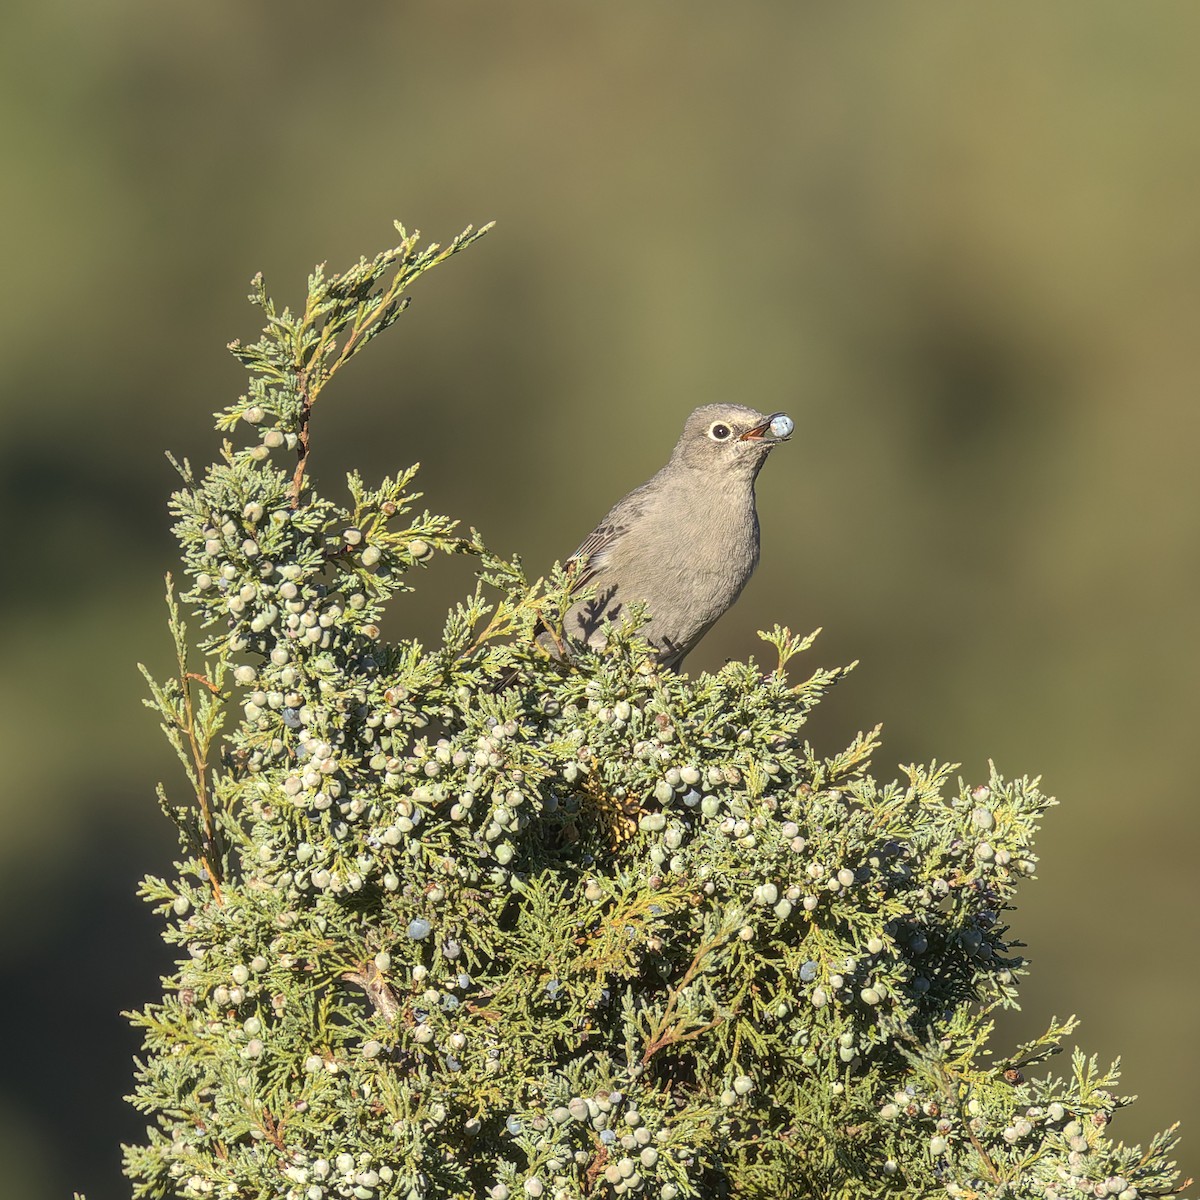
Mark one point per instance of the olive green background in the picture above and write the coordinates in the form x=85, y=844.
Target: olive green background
x=959, y=243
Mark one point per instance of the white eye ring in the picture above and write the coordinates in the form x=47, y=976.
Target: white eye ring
x=720, y=432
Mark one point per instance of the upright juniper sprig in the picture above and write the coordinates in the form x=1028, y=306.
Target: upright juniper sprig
x=258, y=558
x=474, y=921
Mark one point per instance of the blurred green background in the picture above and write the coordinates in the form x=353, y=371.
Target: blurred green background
x=959, y=243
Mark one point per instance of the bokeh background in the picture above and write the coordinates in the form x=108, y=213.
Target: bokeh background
x=960, y=244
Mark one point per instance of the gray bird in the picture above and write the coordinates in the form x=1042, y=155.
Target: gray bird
x=685, y=543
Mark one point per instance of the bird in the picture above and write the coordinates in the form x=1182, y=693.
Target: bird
x=684, y=543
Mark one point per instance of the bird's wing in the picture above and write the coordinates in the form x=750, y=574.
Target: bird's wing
x=589, y=557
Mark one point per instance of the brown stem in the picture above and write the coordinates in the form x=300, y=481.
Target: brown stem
x=662, y=1036
x=211, y=855
x=483, y=637
x=955, y=1096
x=595, y=1168
x=273, y=1129
x=559, y=645
x=983, y=1155
x=302, y=434
x=308, y=395
x=371, y=980
x=672, y=1038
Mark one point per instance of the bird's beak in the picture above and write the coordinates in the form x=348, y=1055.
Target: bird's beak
x=766, y=432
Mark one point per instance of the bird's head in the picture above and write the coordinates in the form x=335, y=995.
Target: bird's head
x=730, y=439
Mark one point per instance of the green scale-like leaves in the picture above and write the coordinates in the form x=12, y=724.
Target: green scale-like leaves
x=472, y=921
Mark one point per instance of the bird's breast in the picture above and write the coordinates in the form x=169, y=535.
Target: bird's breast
x=689, y=571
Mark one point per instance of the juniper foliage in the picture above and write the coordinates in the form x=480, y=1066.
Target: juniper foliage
x=464, y=921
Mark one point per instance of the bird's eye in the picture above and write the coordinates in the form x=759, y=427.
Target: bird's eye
x=719, y=432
